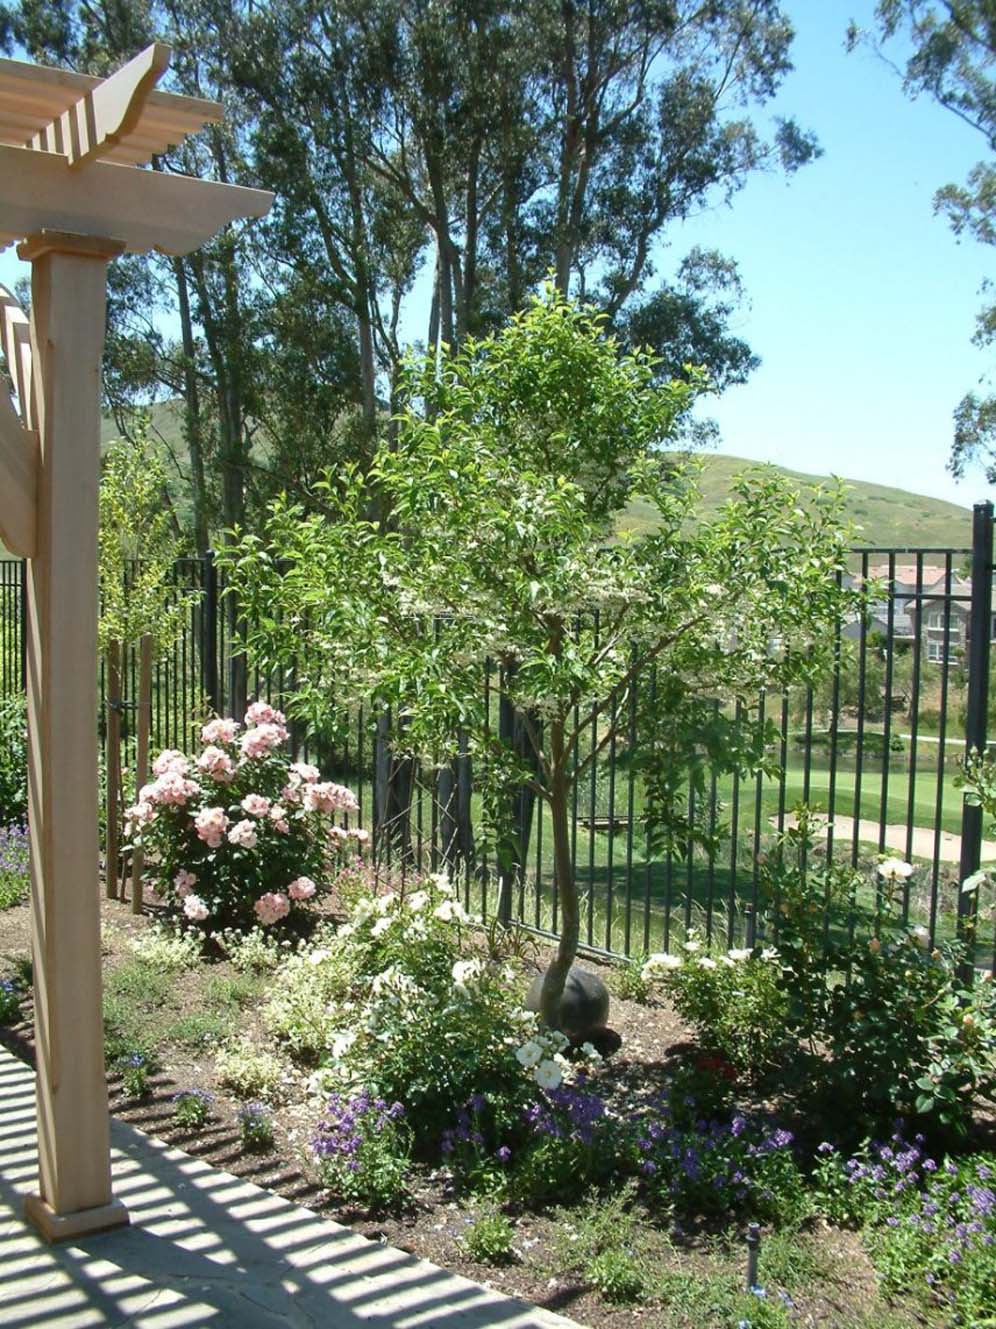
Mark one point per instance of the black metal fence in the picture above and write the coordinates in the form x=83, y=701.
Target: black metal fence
x=877, y=749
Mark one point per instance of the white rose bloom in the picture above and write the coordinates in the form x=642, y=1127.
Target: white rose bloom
x=418, y=901
x=316, y=957
x=548, y=1075
x=529, y=1055
x=742, y=953
x=921, y=936
x=705, y=962
x=769, y=953
x=385, y=903
x=895, y=869
x=464, y=972
x=441, y=881
x=381, y=925
x=692, y=946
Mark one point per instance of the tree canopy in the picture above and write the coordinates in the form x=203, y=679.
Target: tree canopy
x=952, y=59
x=486, y=144
x=509, y=462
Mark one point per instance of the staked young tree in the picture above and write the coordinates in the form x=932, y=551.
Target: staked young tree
x=513, y=457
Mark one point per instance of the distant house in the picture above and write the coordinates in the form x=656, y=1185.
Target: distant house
x=926, y=605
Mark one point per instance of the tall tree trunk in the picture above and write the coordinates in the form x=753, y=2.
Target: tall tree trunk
x=563, y=867
x=192, y=423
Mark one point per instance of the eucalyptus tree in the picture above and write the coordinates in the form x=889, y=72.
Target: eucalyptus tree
x=950, y=55
x=512, y=460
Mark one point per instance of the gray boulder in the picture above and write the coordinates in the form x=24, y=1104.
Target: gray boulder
x=584, y=1006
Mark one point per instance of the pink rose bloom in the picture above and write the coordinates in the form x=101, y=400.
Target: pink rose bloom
x=329, y=798
x=359, y=835
x=216, y=763
x=308, y=773
x=141, y=812
x=173, y=790
x=261, y=712
x=243, y=833
x=291, y=792
x=256, y=805
x=303, y=888
x=170, y=760
x=220, y=731
x=184, y=882
x=338, y=833
x=262, y=740
x=195, y=908
x=271, y=907
x=210, y=824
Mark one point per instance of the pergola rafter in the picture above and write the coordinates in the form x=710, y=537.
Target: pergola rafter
x=71, y=194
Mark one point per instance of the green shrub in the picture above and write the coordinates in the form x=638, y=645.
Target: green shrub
x=166, y=950
x=11, y=995
x=135, y=1068
x=301, y=1007
x=192, y=1108
x=239, y=834
x=13, y=761
x=929, y=1225
x=736, y=1002
x=616, y=1275
x=629, y=981
x=249, y=1070
x=489, y=1239
x=908, y=1035
x=255, y=1127
x=362, y=1146
x=15, y=878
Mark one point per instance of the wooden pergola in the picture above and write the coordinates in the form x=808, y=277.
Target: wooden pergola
x=73, y=195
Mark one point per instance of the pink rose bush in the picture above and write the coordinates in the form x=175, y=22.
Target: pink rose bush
x=238, y=835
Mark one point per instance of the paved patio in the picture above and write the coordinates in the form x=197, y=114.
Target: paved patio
x=206, y=1248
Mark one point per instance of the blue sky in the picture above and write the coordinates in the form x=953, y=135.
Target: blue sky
x=861, y=301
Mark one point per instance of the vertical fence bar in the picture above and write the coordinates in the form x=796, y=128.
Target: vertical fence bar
x=980, y=629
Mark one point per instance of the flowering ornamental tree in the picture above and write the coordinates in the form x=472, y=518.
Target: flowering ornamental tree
x=504, y=491
x=240, y=834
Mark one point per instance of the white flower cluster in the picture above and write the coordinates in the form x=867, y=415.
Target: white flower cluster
x=542, y=1054
x=656, y=967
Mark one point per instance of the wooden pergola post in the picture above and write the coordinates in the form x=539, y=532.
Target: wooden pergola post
x=69, y=191
x=68, y=284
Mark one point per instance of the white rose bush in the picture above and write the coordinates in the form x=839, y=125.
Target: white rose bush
x=238, y=835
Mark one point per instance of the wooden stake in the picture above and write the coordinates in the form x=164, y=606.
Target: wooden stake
x=144, y=721
x=113, y=767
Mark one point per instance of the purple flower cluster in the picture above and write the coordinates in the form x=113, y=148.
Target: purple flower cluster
x=13, y=848
x=348, y=1123
x=944, y=1217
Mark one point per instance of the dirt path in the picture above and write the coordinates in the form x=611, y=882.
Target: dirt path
x=895, y=838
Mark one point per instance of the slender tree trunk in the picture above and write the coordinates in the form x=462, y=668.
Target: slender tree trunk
x=563, y=866
x=192, y=426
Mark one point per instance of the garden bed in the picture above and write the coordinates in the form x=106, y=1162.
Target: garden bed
x=691, y=1275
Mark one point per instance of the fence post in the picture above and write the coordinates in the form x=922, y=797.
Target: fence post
x=209, y=631
x=980, y=627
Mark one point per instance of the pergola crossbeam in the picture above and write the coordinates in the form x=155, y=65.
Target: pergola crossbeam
x=105, y=114
x=147, y=210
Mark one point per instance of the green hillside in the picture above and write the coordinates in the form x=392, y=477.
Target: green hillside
x=884, y=517
x=889, y=518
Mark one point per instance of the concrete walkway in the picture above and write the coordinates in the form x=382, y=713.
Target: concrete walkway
x=209, y=1249
x=949, y=848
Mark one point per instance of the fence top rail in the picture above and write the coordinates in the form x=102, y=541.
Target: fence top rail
x=910, y=549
